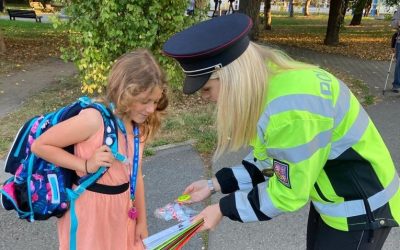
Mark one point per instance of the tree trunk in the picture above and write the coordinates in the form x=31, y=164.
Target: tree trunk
x=2, y=5
x=332, y=31
x=2, y=44
x=252, y=9
x=368, y=6
x=307, y=7
x=267, y=15
x=291, y=8
x=343, y=12
x=358, y=12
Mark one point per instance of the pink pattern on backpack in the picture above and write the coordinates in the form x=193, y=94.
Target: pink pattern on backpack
x=9, y=189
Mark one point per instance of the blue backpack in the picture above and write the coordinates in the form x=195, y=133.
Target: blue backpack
x=39, y=189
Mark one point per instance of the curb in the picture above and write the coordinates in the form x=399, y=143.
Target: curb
x=172, y=145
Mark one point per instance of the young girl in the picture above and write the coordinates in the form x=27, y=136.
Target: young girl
x=137, y=89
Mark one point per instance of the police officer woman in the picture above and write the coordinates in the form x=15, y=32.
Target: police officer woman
x=310, y=137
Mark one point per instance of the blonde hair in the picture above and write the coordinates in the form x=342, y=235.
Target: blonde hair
x=243, y=89
x=132, y=74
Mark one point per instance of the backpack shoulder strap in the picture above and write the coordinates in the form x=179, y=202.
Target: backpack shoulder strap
x=110, y=137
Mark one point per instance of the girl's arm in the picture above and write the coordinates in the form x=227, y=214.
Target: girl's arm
x=50, y=144
x=140, y=201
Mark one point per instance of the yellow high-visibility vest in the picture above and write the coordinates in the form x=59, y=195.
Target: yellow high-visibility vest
x=324, y=147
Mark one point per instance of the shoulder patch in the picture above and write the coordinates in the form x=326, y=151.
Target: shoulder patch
x=281, y=171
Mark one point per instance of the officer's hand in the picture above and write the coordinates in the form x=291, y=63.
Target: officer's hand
x=102, y=157
x=198, y=191
x=212, y=217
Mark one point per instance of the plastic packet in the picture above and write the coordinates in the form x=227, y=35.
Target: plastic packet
x=175, y=211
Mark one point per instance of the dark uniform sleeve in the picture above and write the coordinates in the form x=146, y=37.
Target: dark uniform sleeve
x=229, y=181
x=242, y=177
x=243, y=206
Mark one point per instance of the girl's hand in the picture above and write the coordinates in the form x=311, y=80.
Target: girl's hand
x=102, y=157
x=198, y=191
x=212, y=217
x=140, y=231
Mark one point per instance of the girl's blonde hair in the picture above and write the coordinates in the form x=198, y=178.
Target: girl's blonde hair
x=132, y=74
x=243, y=89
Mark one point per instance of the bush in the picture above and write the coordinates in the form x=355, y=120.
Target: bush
x=388, y=17
x=102, y=30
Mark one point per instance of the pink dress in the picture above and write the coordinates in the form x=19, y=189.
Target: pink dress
x=103, y=221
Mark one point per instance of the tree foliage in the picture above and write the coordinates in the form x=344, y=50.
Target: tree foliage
x=102, y=30
x=391, y=2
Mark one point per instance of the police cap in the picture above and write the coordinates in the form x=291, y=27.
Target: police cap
x=208, y=46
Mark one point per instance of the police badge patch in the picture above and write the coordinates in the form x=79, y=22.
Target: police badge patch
x=281, y=170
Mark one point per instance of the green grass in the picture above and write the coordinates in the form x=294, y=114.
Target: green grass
x=33, y=30
x=360, y=89
x=316, y=24
x=363, y=92
x=181, y=125
x=279, y=19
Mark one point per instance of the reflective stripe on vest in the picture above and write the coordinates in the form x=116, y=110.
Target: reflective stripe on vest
x=357, y=207
x=302, y=152
x=311, y=103
x=320, y=106
x=342, y=104
x=352, y=136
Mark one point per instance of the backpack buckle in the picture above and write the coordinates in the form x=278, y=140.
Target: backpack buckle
x=85, y=101
x=120, y=157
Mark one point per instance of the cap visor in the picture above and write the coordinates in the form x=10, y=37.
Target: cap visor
x=192, y=84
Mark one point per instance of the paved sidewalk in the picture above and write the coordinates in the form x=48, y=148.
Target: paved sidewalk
x=170, y=170
x=16, y=87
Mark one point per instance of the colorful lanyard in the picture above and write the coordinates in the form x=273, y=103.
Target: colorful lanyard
x=135, y=165
x=135, y=160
